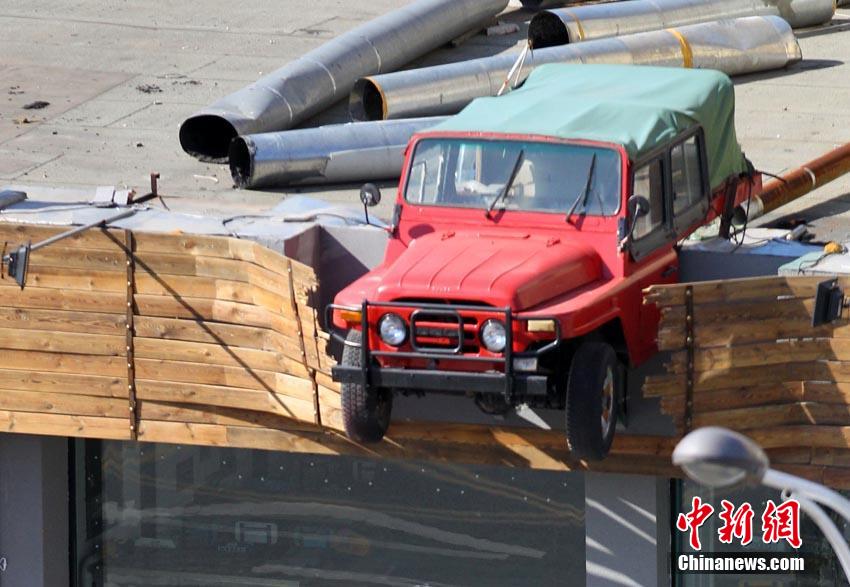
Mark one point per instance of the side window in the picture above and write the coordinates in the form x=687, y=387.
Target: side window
x=649, y=182
x=686, y=176
x=425, y=175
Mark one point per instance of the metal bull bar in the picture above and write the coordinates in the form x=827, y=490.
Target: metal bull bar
x=434, y=380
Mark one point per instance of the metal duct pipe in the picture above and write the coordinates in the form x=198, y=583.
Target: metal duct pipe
x=325, y=75
x=797, y=183
x=338, y=153
x=582, y=23
x=738, y=46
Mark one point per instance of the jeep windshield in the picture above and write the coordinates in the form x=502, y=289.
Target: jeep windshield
x=541, y=176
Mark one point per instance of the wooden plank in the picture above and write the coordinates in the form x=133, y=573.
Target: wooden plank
x=228, y=397
x=182, y=433
x=62, y=403
x=216, y=333
x=725, y=399
x=62, y=321
x=161, y=370
x=63, y=383
x=215, y=311
x=184, y=286
x=229, y=269
x=734, y=290
x=97, y=238
x=795, y=455
x=776, y=415
x=214, y=354
x=775, y=353
x=750, y=376
x=826, y=392
x=815, y=436
x=62, y=342
x=69, y=278
x=54, y=299
x=113, y=259
x=173, y=412
x=64, y=425
x=104, y=366
x=671, y=337
x=796, y=308
x=831, y=457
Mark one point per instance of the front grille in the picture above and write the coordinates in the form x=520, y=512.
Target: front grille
x=443, y=331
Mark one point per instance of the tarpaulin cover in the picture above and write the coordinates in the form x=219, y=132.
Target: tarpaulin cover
x=634, y=106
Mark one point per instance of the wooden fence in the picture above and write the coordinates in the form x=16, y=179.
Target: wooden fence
x=744, y=355
x=214, y=341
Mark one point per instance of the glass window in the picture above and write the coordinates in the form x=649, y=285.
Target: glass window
x=686, y=173
x=543, y=177
x=649, y=183
x=158, y=514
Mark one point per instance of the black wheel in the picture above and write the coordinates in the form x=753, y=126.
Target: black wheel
x=594, y=388
x=365, y=410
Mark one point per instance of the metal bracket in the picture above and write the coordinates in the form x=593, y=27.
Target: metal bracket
x=829, y=301
x=689, y=367
x=129, y=242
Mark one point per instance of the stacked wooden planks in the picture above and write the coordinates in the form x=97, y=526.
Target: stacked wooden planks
x=224, y=349
x=757, y=365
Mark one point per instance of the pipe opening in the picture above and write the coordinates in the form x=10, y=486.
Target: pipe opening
x=547, y=30
x=366, y=101
x=207, y=137
x=241, y=159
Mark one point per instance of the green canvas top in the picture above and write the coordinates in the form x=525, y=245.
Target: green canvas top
x=634, y=106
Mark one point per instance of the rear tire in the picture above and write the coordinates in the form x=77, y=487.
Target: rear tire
x=365, y=410
x=594, y=389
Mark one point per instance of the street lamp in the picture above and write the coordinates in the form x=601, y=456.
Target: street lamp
x=718, y=457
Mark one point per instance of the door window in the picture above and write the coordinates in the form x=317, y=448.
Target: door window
x=686, y=176
x=649, y=182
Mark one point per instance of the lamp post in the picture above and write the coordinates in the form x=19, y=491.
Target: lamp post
x=718, y=457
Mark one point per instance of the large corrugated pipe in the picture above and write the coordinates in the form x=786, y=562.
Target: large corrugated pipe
x=325, y=75
x=738, y=46
x=338, y=153
x=582, y=23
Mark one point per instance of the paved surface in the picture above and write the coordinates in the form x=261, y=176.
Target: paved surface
x=120, y=77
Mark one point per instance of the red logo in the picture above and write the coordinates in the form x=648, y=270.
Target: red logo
x=778, y=522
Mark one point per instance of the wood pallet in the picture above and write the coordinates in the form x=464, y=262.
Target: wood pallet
x=744, y=355
x=213, y=341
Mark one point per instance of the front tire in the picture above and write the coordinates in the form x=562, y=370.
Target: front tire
x=365, y=410
x=594, y=388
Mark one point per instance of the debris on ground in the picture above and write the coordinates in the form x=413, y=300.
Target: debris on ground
x=149, y=89
x=37, y=105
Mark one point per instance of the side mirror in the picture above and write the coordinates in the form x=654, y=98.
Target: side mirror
x=637, y=207
x=370, y=195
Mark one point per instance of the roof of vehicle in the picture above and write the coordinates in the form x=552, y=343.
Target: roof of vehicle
x=634, y=106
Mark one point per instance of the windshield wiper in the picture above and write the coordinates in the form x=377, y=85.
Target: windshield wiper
x=509, y=184
x=582, y=197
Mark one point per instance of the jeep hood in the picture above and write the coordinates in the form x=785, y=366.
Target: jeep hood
x=516, y=270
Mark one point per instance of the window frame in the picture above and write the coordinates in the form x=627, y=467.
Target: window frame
x=674, y=226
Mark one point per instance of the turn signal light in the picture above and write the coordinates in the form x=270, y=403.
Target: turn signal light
x=540, y=326
x=351, y=315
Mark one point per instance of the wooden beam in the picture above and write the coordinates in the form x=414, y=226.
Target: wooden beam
x=229, y=397
x=258, y=379
x=735, y=290
x=53, y=299
x=71, y=383
x=62, y=403
x=62, y=321
x=104, y=366
x=64, y=425
x=61, y=342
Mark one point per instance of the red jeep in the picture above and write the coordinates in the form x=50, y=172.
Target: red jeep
x=524, y=231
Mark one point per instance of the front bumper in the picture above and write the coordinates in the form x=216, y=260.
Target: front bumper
x=444, y=382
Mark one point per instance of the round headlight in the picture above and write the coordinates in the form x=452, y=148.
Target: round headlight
x=493, y=336
x=392, y=329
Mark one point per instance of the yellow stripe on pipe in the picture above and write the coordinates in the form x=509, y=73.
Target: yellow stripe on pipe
x=687, y=53
x=578, y=24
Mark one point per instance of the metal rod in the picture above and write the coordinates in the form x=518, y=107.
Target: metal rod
x=819, y=493
x=319, y=78
x=830, y=531
x=560, y=26
x=737, y=46
x=360, y=151
x=797, y=183
x=83, y=228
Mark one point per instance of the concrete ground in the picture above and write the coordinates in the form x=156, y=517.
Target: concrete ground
x=120, y=77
